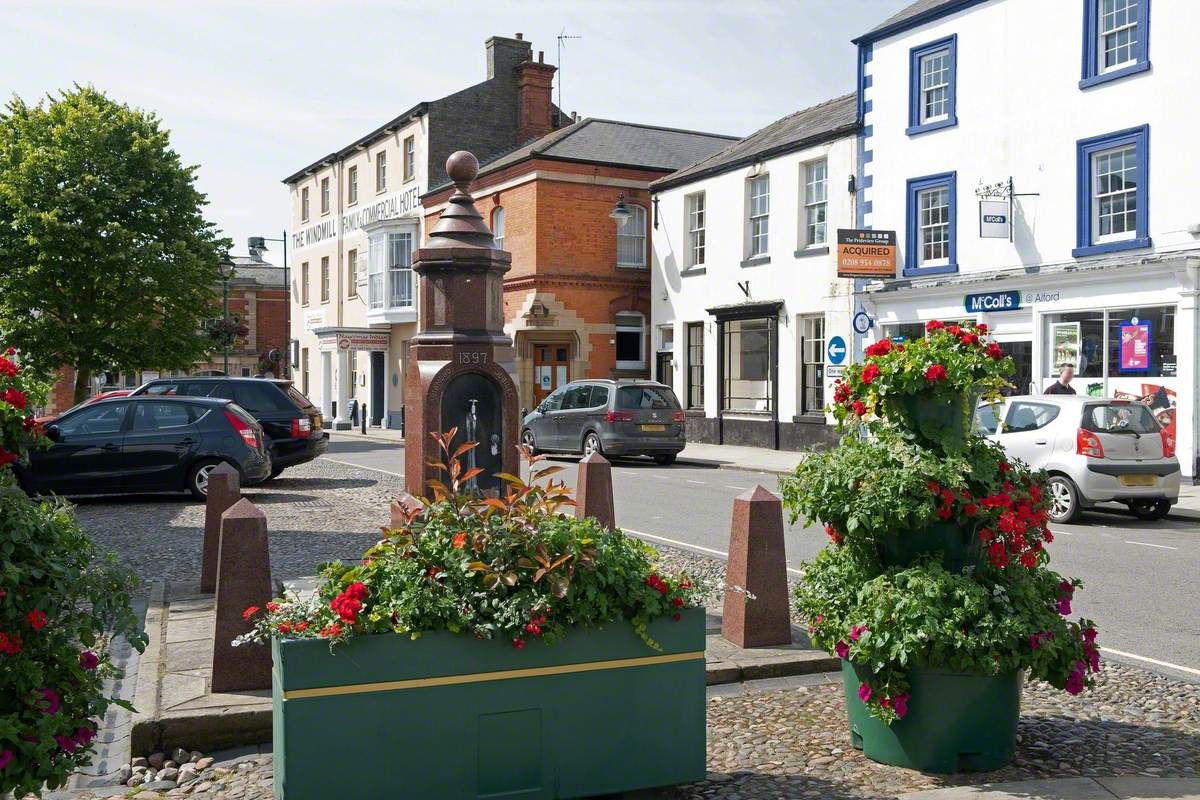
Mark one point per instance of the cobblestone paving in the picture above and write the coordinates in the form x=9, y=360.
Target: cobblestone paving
x=786, y=743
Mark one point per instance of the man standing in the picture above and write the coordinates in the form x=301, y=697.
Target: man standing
x=1063, y=384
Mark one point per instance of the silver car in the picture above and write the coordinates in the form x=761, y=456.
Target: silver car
x=616, y=418
x=1094, y=449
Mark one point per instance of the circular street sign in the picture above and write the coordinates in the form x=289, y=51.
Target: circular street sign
x=836, y=350
x=862, y=322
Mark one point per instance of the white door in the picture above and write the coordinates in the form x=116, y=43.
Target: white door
x=1025, y=433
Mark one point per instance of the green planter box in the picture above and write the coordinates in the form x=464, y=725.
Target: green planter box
x=446, y=716
x=956, y=721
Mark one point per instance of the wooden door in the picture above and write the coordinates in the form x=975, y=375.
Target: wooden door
x=551, y=369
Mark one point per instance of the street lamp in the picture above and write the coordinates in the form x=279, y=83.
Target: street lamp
x=620, y=213
x=226, y=268
x=260, y=243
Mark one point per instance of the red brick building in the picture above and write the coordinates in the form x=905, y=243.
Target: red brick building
x=257, y=296
x=577, y=299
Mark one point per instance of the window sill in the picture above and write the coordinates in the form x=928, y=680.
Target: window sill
x=1116, y=74
x=694, y=412
x=945, y=269
x=641, y=267
x=916, y=130
x=810, y=419
x=1111, y=247
x=410, y=179
x=811, y=251
x=692, y=271
x=756, y=261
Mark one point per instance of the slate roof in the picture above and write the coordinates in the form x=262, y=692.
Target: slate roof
x=263, y=273
x=822, y=122
x=912, y=15
x=606, y=141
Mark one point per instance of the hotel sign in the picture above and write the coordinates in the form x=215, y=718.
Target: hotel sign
x=866, y=253
x=404, y=203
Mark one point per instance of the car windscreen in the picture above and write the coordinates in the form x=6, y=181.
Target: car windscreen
x=646, y=397
x=299, y=399
x=1118, y=417
x=987, y=418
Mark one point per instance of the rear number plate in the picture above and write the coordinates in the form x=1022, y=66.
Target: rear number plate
x=316, y=423
x=655, y=428
x=1138, y=480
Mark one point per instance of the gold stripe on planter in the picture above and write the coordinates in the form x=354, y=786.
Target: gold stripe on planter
x=481, y=677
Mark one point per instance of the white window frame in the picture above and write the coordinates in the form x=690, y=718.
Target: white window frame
x=352, y=273
x=923, y=228
x=759, y=219
x=927, y=90
x=498, y=222
x=1101, y=33
x=304, y=204
x=626, y=325
x=696, y=220
x=325, y=196
x=1129, y=152
x=325, y=281
x=352, y=186
x=381, y=172
x=816, y=234
x=410, y=158
x=633, y=233
x=401, y=293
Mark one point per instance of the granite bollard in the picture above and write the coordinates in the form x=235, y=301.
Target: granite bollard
x=757, y=564
x=224, y=489
x=243, y=580
x=594, y=492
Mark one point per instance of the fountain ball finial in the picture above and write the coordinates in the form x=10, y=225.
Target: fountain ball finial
x=462, y=167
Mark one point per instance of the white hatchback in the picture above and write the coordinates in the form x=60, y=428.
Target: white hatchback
x=1095, y=450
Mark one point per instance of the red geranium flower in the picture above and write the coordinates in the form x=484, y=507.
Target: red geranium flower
x=936, y=372
x=870, y=373
x=934, y=325
x=459, y=540
x=37, y=619
x=859, y=408
x=249, y=612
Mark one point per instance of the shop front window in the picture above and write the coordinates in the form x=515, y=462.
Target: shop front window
x=1113, y=343
x=749, y=360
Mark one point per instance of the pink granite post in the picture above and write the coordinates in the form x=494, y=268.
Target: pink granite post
x=594, y=492
x=243, y=580
x=224, y=489
x=758, y=565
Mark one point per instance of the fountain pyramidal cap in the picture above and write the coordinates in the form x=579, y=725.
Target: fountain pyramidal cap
x=461, y=224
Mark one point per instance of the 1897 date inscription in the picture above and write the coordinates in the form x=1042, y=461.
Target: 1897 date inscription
x=475, y=357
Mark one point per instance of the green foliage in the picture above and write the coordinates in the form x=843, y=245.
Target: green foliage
x=105, y=256
x=512, y=568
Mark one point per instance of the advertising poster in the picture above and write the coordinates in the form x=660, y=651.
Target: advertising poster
x=1135, y=346
x=1161, y=401
x=1065, y=339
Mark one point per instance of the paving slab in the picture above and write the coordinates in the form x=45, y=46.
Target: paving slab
x=1138, y=787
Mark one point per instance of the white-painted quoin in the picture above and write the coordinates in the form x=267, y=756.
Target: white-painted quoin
x=745, y=299
x=1088, y=109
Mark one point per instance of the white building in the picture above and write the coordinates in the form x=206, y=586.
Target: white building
x=1094, y=258
x=357, y=219
x=746, y=305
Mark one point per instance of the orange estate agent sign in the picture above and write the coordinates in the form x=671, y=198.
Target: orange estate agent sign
x=866, y=253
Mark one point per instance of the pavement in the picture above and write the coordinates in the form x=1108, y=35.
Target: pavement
x=1123, y=788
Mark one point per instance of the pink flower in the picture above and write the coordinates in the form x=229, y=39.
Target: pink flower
x=900, y=703
x=52, y=700
x=5, y=757
x=88, y=660
x=1075, y=681
x=66, y=743
x=1035, y=641
x=864, y=691
x=84, y=735
x=857, y=631
x=842, y=649
x=1064, y=606
x=1067, y=588
x=1089, y=635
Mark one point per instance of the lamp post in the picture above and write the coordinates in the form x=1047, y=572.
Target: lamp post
x=226, y=268
x=620, y=212
x=260, y=243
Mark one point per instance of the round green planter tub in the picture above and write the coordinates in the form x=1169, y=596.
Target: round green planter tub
x=446, y=716
x=956, y=720
x=945, y=423
x=959, y=546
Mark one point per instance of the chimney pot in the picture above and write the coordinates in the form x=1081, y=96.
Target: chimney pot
x=541, y=56
x=520, y=36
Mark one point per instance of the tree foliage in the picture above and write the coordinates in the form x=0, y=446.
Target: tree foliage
x=106, y=259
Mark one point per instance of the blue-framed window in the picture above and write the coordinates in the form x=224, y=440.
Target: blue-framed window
x=1116, y=40
x=931, y=246
x=1112, y=191
x=932, y=85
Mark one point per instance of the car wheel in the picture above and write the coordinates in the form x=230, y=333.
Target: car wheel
x=1150, y=509
x=276, y=472
x=669, y=458
x=198, y=479
x=591, y=444
x=528, y=440
x=1064, y=499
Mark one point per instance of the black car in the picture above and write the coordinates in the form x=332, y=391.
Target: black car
x=146, y=444
x=291, y=422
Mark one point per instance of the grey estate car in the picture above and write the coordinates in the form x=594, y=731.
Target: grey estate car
x=1095, y=449
x=616, y=418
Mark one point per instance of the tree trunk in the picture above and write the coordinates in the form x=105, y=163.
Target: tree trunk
x=83, y=383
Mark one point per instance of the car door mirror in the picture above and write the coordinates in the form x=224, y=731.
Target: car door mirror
x=542, y=407
x=53, y=433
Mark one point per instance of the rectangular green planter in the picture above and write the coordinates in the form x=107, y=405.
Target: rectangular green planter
x=445, y=716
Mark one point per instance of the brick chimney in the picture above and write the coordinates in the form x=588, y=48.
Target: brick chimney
x=535, y=115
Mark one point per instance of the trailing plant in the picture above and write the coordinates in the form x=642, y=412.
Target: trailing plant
x=512, y=567
x=61, y=601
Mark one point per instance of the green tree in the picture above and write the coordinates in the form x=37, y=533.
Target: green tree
x=106, y=259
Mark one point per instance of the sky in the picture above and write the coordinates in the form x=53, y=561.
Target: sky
x=254, y=90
